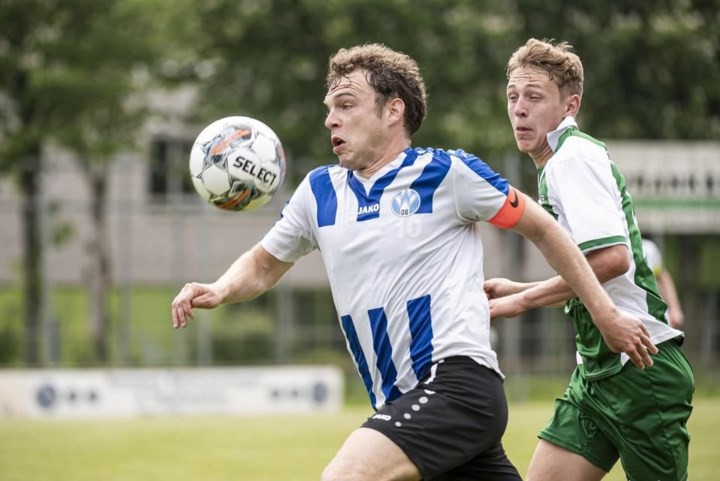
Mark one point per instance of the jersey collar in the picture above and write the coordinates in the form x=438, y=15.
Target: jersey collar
x=554, y=137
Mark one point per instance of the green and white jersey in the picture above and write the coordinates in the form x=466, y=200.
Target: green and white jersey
x=586, y=192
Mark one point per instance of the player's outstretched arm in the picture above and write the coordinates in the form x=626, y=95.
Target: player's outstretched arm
x=250, y=275
x=622, y=333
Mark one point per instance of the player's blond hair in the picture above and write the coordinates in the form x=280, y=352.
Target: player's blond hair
x=390, y=73
x=557, y=60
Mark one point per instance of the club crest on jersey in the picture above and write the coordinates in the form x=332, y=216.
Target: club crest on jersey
x=405, y=203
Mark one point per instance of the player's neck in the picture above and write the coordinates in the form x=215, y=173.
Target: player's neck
x=388, y=155
x=541, y=157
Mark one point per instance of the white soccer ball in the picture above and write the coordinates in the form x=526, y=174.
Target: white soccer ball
x=237, y=163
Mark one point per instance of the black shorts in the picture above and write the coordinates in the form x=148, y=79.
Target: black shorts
x=451, y=424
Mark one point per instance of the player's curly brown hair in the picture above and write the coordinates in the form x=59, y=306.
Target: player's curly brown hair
x=557, y=60
x=390, y=73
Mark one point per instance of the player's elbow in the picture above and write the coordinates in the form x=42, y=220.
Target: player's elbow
x=610, y=262
x=621, y=266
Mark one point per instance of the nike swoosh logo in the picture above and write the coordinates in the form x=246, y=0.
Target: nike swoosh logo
x=516, y=202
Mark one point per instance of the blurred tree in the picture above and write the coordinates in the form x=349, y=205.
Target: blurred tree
x=269, y=60
x=66, y=76
x=651, y=68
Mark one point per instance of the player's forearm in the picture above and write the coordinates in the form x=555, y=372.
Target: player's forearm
x=606, y=263
x=240, y=281
x=552, y=292
x=252, y=274
x=577, y=276
x=565, y=257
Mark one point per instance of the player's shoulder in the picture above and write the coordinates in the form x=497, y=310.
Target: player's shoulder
x=578, y=142
x=434, y=154
x=320, y=182
x=579, y=147
x=452, y=158
x=445, y=154
x=328, y=169
x=324, y=174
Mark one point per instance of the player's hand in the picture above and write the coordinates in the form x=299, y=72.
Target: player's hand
x=625, y=333
x=193, y=295
x=501, y=287
x=507, y=306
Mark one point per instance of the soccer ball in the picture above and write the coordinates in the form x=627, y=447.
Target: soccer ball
x=237, y=163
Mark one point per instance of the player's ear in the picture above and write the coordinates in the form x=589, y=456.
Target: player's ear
x=572, y=106
x=396, y=109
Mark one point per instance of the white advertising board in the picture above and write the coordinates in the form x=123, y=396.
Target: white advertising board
x=61, y=393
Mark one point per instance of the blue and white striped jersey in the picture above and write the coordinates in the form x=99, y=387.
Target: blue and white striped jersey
x=404, y=259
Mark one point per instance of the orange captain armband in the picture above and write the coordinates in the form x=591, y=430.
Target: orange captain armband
x=511, y=211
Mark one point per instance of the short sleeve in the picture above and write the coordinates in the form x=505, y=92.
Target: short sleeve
x=292, y=235
x=482, y=194
x=584, y=193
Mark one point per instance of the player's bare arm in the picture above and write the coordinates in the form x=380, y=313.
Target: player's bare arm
x=252, y=274
x=607, y=263
x=502, y=287
x=622, y=333
x=563, y=255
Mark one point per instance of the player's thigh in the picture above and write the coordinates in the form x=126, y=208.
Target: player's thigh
x=652, y=435
x=576, y=430
x=553, y=463
x=453, y=420
x=368, y=455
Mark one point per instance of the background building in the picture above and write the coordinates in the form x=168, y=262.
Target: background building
x=161, y=235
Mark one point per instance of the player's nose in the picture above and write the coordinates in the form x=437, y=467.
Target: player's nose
x=519, y=108
x=331, y=119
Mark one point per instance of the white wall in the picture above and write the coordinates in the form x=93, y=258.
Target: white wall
x=161, y=243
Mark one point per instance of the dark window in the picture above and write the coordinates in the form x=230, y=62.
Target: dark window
x=168, y=173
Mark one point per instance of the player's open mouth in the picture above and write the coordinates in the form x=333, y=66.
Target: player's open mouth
x=337, y=144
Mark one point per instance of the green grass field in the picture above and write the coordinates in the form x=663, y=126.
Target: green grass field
x=277, y=448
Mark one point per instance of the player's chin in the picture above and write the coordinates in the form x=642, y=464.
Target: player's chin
x=346, y=161
x=524, y=145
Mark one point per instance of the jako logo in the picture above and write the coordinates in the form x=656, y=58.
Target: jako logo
x=406, y=203
x=384, y=417
x=366, y=209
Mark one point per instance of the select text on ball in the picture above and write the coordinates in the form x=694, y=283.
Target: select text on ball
x=249, y=166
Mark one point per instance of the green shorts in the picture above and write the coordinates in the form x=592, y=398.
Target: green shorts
x=639, y=416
